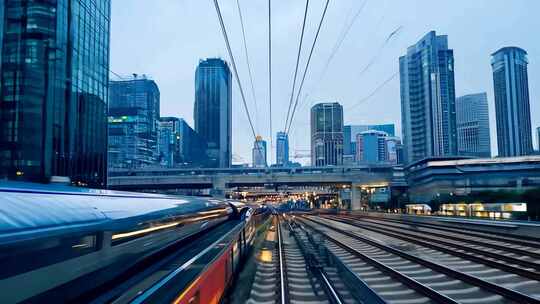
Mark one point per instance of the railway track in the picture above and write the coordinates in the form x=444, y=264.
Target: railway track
x=523, y=243
x=401, y=272
x=287, y=273
x=504, y=251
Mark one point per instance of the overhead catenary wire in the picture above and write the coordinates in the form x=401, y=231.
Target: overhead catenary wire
x=233, y=63
x=297, y=63
x=248, y=64
x=307, y=65
x=344, y=32
x=380, y=49
x=375, y=91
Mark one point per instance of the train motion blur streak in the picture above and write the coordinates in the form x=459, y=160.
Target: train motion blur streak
x=58, y=242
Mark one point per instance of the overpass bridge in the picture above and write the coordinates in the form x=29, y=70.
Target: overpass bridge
x=221, y=181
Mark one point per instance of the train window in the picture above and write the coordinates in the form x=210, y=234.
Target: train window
x=31, y=255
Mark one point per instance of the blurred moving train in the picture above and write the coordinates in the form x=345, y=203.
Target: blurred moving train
x=52, y=236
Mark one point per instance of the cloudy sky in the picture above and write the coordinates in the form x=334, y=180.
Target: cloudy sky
x=166, y=38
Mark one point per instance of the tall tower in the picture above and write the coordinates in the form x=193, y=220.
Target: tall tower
x=212, y=111
x=511, y=88
x=282, y=149
x=54, y=90
x=133, y=123
x=327, y=134
x=428, y=111
x=472, y=117
x=259, y=153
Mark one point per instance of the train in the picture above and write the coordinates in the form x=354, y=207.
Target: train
x=60, y=242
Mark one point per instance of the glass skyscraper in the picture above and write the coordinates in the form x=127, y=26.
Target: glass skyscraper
x=259, y=153
x=54, y=79
x=350, y=133
x=428, y=111
x=472, y=118
x=327, y=134
x=511, y=85
x=133, y=119
x=212, y=111
x=371, y=147
x=282, y=149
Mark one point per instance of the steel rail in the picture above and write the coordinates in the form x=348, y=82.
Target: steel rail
x=330, y=291
x=282, y=275
x=405, y=279
x=460, y=239
x=535, y=275
x=498, y=236
x=505, y=292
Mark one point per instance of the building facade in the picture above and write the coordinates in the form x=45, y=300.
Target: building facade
x=282, y=149
x=327, y=134
x=538, y=137
x=428, y=99
x=512, y=108
x=259, y=153
x=472, y=120
x=133, y=123
x=371, y=147
x=212, y=111
x=169, y=141
x=53, y=95
x=350, y=133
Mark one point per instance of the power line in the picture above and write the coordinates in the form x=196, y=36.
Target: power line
x=297, y=62
x=270, y=74
x=377, y=89
x=347, y=27
x=233, y=63
x=248, y=63
x=381, y=49
x=307, y=64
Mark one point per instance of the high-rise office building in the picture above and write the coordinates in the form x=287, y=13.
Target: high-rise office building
x=511, y=85
x=212, y=112
x=179, y=145
x=371, y=147
x=169, y=141
x=393, y=144
x=327, y=134
x=133, y=122
x=192, y=147
x=282, y=149
x=472, y=120
x=54, y=79
x=259, y=153
x=428, y=111
x=350, y=132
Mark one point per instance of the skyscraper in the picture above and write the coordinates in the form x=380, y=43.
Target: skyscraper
x=472, y=119
x=133, y=119
x=350, y=133
x=428, y=111
x=259, y=153
x=169, y=141
x=511, y=88
x=327, y=134
x=212, y=113
x=54, y=79
x=282, y=149
x=371, y=147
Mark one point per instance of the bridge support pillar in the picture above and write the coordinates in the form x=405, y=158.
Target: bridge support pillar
x=356, y=197
x=218, y=188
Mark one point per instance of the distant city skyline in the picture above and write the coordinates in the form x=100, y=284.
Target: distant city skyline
x=473, y=36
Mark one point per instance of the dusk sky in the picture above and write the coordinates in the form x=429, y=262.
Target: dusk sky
x=166, y=38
